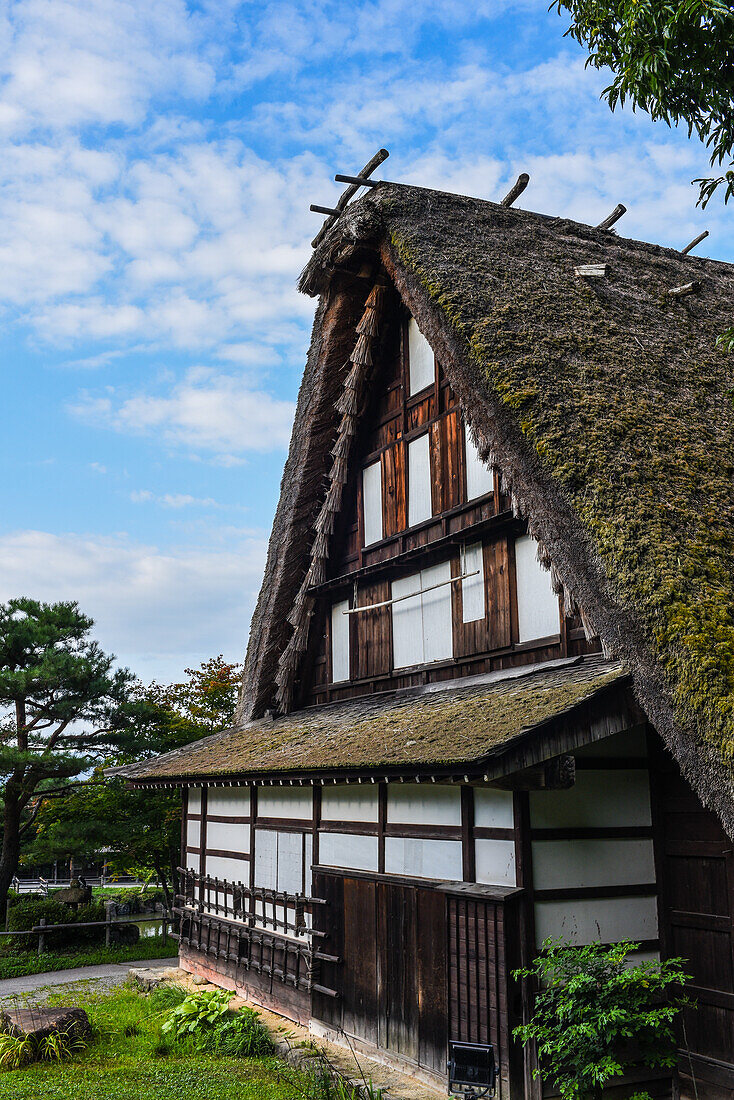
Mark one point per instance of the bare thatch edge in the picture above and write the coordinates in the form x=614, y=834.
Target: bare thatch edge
x=554, y=522
x=301, y=490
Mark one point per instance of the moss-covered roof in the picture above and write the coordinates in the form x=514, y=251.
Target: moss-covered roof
x=420, y=727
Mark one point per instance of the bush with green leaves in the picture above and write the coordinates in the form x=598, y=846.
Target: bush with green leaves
x=17, y=1051
x=197, y=1014
x=205, y=1020
x=28, y=912
x=597, y=1015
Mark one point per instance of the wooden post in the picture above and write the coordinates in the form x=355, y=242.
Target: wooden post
x=108, y=923
x=164, y=930
x=41, y=941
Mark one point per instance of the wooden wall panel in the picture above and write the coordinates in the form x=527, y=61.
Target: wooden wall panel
x=394, y=513
x=374, y=633
x=498, y=577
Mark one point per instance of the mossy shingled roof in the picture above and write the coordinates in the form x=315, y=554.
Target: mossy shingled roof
x=415, y=727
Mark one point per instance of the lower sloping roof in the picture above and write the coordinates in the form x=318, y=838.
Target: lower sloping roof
x=435, y=726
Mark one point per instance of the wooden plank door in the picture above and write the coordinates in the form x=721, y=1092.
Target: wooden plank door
x=696, y=872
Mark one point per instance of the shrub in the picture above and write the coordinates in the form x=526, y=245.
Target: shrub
x=204, y=1020
x=197, y=1014
x=17, y=1051
x=597, y=1016
x=29, y=911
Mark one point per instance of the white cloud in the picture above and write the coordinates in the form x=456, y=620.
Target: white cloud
x=171, y=500
x=207, y=411
x=157, y=610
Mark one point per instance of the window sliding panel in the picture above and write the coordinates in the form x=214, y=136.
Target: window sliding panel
x=437, y=628
x=407, y=622
x=537, y=604
x=372, y=502
x=421, y=362
x=419, y=481
x=479, y=476
x=339, y=641
x=472, y=589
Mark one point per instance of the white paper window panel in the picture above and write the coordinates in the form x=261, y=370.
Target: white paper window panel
x=295, y=802
x=440, y=859
x=537, y=604
x=234, y=870
x=372, y=502
x=228, y=837
x=339, y=641
x=348, y=850
x=421, y=360
x=193, y=834
x=422, y=628
x=605, y=919
x=307, y=863
x=193, y=861
x=560, y=864
x=407, y=623
x=194, y=800
x=229, y=801
x=599, y=799
x=438, y=641
x=472, y=589
x=495, y=861
x=479, y=476
x=290, y=862
x=420, y=507
x=349, y=803
x=423, y=804
x=266, y=859
x=493, y=808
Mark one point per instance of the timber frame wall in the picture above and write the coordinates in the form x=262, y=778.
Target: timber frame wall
x=392, y=420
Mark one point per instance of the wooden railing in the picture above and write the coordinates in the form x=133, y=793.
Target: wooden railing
x=262, y=930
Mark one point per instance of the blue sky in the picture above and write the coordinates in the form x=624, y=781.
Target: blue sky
x=158, y=161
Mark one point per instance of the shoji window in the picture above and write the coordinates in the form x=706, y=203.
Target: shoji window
x=339, y=641
x=479, y=476
x=421, y=624
x=283, y=860
x=537, y=604
x=472, y=588
x=421, y=362
x=372, y=502
x=419, y=480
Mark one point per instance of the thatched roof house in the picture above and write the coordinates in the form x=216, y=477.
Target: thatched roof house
x=606, y=403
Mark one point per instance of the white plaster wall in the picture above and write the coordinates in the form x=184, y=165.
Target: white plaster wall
x=228, y=837
x=440, y=859
x=495, y=862
x=599, y=799
x=568, y=864
x=348, y=850
x=193, y=862
x=420, y=359
x=295, y=802
x=479, y=477
x=423, y=804
x=349, y=802
x=607, y=919
x=194, y=800
x=228, y=801
x=234, y=870
x=493, y=808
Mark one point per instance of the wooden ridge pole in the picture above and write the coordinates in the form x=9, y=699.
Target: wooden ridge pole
x=380, y=156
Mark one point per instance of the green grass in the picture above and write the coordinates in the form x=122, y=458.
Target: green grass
x=152, y=947
x=128, y=1060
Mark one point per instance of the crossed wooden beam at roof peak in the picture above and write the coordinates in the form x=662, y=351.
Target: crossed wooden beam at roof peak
x=363, y=179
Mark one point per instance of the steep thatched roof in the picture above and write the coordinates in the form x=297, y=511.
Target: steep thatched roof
x=605, y=402
x=435, y=727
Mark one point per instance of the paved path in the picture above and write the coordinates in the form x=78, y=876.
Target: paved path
x=109, y=973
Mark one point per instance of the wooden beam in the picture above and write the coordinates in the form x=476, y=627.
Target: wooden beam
x=615, y=215
x=516, y=190
x=380, y=156
x=597, y=271
x=360, y=181
x=316, y=209
x=553, y=775
x=694, y=242
x=682, y=291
